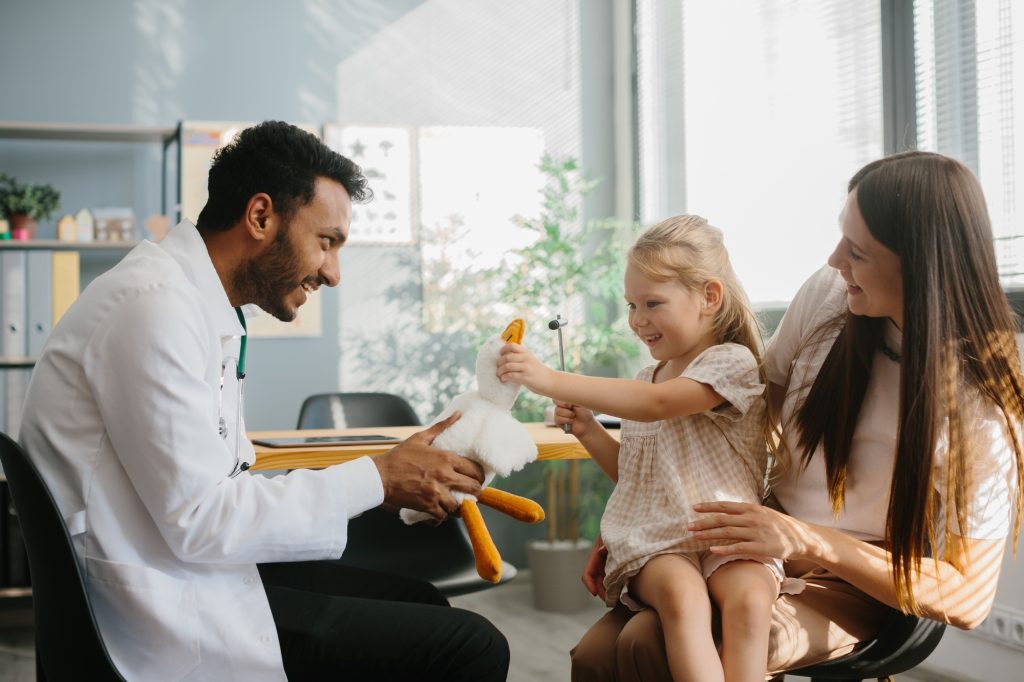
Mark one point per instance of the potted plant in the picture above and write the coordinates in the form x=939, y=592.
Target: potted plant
x=575, y=270
x=569, y=268
x=23, y=205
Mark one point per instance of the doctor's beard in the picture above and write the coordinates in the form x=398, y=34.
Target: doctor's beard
x=268, y=279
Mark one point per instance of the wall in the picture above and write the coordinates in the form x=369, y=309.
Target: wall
x=154, y=62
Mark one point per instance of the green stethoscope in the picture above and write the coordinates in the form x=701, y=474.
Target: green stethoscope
x=240, y=465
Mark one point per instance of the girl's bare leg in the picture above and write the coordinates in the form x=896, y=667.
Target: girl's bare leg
x=675, y=588
x=745, y=592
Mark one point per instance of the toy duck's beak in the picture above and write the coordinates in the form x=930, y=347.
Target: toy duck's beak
x=514, y=331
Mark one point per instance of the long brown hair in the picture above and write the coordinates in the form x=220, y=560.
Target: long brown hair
x=958, y=331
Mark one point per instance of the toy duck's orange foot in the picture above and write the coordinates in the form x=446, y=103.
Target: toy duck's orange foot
x=520, y=508
x=488, y=561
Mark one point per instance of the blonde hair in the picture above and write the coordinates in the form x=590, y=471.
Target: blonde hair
x=690, y=251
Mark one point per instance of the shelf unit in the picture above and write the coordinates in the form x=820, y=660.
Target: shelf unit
x=116, y=248
x=100, y=254
x=99, y=132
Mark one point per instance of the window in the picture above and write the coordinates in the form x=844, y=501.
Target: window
x=969, y=62
x=472, y=95
x=754, y=114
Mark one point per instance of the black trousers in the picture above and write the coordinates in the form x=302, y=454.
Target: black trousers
x=336, y=622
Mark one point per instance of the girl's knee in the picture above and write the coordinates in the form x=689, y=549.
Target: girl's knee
x=673, y=585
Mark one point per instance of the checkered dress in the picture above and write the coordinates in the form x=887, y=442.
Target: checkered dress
x=665, y=467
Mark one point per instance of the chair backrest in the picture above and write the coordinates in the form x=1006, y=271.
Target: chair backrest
x=68, y=640
x=345, y=410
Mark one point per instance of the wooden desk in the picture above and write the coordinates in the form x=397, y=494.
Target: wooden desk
x=551, y=444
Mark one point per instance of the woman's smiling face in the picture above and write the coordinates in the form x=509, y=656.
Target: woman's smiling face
x=872, y=272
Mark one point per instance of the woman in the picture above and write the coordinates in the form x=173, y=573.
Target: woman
x=896, y=381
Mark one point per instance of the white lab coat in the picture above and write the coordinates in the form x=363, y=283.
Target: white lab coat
x=121, y=419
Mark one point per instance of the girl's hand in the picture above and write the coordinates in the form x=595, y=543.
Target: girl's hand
x=593, y=572
x=518, y=364
x=580, y=418
x=753, y=529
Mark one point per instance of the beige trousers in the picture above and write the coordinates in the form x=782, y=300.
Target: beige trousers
x=823, y=622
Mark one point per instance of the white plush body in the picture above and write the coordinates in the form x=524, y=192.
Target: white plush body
x=487, y=432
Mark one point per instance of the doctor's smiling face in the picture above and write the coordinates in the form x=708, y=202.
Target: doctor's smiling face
x=303, y=253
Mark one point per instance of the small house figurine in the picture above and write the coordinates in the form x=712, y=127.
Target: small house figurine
x=86, y=225
x=67, y=228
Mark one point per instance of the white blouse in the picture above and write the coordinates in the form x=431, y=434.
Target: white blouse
x=793, y=357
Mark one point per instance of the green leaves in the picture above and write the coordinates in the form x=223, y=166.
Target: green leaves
x=574, y=269
x=38, y=201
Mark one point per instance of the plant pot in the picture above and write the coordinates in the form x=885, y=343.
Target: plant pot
x=556, y=569
x=22, y=227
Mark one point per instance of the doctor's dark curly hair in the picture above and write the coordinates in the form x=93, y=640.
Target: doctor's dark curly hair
x=277, y=158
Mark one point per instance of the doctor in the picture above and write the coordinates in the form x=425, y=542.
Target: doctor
x=134, y=418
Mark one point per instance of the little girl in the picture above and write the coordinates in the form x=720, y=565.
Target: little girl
x=693, y=429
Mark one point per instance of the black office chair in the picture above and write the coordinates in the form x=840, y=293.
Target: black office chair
x=902, y=643
x=68, y=641
x=378, y=540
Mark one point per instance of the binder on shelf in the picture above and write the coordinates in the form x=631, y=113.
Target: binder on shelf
x=65, y=282
x=36, y=288
x=12, y=302
x=39, y=301
x=13, y=336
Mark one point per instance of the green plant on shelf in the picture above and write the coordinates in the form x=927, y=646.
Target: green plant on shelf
x=38, y=202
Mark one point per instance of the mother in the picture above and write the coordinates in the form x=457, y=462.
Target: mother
x=896, y=380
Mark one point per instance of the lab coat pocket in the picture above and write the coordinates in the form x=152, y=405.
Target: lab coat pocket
x=149, y=620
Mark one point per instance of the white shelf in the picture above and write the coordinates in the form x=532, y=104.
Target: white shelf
x=56, y=245
x=84, y=132
x=17, y=361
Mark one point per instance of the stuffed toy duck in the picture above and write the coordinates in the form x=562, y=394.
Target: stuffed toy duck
x=488, y=434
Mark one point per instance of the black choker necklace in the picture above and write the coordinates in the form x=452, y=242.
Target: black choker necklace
x=889, y=352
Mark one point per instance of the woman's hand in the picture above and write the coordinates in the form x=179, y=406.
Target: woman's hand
x=747, y=528
x=580, y=418
x=593, y=572
x=518, y=364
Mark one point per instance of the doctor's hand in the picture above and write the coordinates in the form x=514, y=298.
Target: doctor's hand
x=418, y=476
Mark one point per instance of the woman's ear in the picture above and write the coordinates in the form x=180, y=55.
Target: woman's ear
x=714, y=292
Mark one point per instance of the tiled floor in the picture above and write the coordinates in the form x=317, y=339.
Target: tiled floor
x=540, y=641
x=17, y=655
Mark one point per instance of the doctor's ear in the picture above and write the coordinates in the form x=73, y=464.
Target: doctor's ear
x=259, y=216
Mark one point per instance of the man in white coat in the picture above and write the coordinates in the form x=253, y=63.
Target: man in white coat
x=134, y=419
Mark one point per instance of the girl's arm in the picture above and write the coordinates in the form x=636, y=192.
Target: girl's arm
x=959, y=589
x=602, y=448
x=625, y=398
